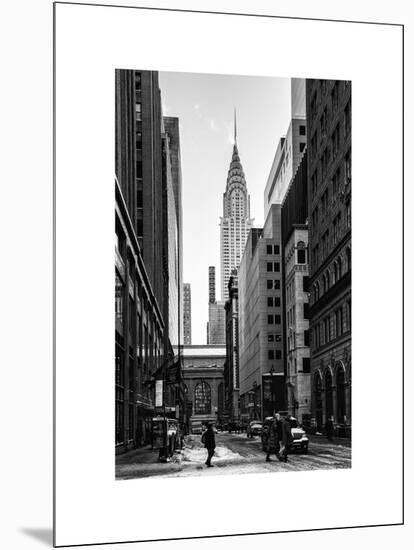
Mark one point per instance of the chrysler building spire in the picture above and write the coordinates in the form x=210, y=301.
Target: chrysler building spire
x=235, y=128
x=235, y=223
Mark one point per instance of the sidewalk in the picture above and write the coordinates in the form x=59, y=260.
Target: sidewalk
x=143, y=462
x=322, y=439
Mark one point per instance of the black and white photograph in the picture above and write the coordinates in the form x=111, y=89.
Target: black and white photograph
x=232, y=274
x=237, y=372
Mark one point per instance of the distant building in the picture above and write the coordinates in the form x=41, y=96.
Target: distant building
x=187, y=313
x=262, y=377
x=235, y=223
x=216, y=325
x=231, y=368
x=328, y=105
x=175, y=254
x=203, y=368
x=211, y=284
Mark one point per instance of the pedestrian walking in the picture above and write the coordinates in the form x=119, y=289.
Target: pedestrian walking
x=286, y=438
x=329, y=428
x=272, y=442
x=209, y=441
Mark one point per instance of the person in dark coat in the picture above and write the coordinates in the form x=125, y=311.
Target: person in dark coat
x=272, y=442
x=329, y=428
x=286, y=438
x=209, y=441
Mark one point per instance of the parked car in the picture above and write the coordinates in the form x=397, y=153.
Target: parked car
x=254, y=428
x=300, y=440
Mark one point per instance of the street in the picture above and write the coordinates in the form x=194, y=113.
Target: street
x=234, y=454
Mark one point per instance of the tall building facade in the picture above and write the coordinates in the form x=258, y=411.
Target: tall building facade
x=328, y=105
x=216, y=325
x=296, y=295
x=146, y=258
x=235, y=223
x=262, y=375
x=297, y=325
x=187, y=314
x=231, y=367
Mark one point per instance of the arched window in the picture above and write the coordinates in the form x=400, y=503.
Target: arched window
x=202, y=398
x=324, y=283
x=318, y=400
x=328, y=282
x=335, y=273
x=339, y=262
x=340, y=394
x=348, y=258
x=301, y=248
x=328, y=394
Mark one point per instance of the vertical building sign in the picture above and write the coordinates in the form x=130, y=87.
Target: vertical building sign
x=158, y=393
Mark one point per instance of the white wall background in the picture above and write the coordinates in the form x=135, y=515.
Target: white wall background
x=27, y=240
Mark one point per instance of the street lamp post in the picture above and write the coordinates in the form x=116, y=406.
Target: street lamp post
x=272, y=373
x=254, y=400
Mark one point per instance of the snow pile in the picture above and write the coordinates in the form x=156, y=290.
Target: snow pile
x=199, y=454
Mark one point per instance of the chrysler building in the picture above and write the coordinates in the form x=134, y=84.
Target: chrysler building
x=235, y=223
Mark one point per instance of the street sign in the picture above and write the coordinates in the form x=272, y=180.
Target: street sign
x=158, y=393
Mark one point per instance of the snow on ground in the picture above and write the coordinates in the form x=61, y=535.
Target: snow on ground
x=199, y=454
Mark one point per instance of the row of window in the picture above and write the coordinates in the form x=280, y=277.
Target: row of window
x=342, y=173
x=332, y=326
x=273, y=301
x=273, y=267
x=329, y=240
x=320, y=94
x=332, y=275
x=273, y=249
x=336, y=138
x=273, y=284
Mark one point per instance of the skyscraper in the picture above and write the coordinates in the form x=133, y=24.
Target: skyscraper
x=216, y=329
x=211, y=284
x=235, y=223
x=187, y=313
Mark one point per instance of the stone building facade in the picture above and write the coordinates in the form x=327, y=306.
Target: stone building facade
x=328, y=105
x=203, y=372
x=296, y=295
x=298, y=377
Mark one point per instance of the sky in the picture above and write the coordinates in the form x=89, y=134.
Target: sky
x=204, y=104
